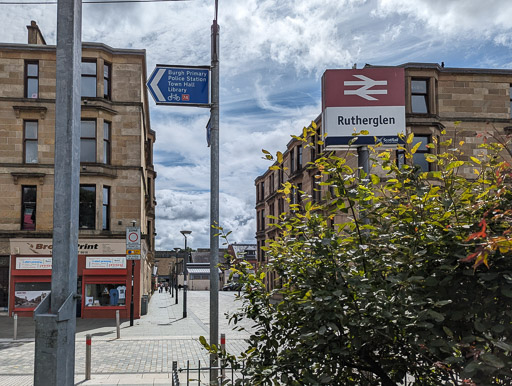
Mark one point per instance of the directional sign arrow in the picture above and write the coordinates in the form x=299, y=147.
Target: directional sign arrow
x=154, y=85
x=365, y=83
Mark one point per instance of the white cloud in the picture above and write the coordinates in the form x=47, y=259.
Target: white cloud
x=272, y=56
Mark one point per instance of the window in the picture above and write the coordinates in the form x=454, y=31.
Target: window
x=88, y=78
x=280, y=206
x=292, y=160
x=106, y=208
x=271, y=212
x=299, y=157
x=30, y=142
x=280, y=178
x=87, y=215
x=101, y=295
x=299, y=193
x=107, y=73
x=271, y=183
x=418, y=158
x=87, y=141
x=262, y=194
x=419, y=96
x=262, y=222
x=30, y=294
x=106, y=142
x=315, y=188
x=28, y=207
x=31, y=79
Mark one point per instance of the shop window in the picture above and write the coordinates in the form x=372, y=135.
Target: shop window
x=106, y=208
x=106, y=142
x=87, y=215
x=418, y=158
x=419, y=96
x=30, y=141
x=107, y=74
x=88, y=78
x=105, y=295
x=88, y=141
x=29, y=295
x=28, y=207
x=31, y=79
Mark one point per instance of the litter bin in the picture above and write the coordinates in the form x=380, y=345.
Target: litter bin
x=144, y=305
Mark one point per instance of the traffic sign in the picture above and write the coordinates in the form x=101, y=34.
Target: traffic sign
x=132, y=238
x=371, y=99
x=180, y=85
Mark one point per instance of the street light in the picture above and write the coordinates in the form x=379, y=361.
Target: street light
x=185, y=259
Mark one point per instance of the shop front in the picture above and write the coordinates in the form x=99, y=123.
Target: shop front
x=104, y=278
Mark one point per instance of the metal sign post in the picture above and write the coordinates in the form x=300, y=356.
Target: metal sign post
x=214, y=199
x=55, y=317
x=132, y=253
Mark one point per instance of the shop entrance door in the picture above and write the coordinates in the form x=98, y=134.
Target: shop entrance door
x=4, y=286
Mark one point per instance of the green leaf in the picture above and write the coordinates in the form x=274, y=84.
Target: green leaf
x=492, y=360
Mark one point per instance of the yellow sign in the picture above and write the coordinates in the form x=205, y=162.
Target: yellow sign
x=133, y=251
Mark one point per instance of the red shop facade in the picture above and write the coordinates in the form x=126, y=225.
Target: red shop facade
x=104, y=277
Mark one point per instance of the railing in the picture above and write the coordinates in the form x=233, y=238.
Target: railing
x=201, y=375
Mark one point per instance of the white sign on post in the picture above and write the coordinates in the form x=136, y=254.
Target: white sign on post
x=132, y=243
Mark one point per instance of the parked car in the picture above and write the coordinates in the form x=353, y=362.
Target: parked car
x=232, y=287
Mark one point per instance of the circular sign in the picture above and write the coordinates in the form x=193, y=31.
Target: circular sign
x=133, y=237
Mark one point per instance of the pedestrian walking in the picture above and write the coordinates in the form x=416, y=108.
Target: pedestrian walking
x=160, y=288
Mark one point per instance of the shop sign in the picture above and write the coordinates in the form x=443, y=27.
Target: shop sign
x=33, y=263
x=108, y=262
x=85, y=247
x=355, y=101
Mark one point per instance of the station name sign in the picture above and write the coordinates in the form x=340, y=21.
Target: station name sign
x=179, y=85
x=371, y=99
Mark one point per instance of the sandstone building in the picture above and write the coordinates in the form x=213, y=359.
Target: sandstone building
x=463, y=102
x=116, y=176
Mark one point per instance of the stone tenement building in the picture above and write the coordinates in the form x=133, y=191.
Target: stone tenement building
x=116, y=176
x=461, y=101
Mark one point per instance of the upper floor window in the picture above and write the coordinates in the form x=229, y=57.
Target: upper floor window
x=88, y=78
x=88, y=141
x=30, y=142
x=292, y=160
x=107, y=74
x=418, y=158
x=28, y=207
x=419, y=96
x=106, y=208
x=262, y=193
x=299, y=157
x=87, y=210
x=31, y=79
x=510, y=96
x=106, y=142
x=271, y=185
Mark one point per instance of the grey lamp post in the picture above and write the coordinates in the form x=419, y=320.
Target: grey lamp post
x=185, y=259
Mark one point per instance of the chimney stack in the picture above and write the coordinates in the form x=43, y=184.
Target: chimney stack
x=34, y=34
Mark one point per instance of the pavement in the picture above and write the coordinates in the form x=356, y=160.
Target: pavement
x=145, y=351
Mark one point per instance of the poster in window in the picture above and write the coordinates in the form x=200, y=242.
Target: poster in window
x=29, y=299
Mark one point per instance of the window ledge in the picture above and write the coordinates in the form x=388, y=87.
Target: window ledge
x=22, y=109
x=17, y=175
x=100, y=170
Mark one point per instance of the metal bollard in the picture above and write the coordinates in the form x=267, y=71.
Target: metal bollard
x=88, y=357
x=118, y=325
x=223, y=350
x=15, y=327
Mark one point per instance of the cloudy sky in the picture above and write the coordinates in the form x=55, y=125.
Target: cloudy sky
x=273, y=54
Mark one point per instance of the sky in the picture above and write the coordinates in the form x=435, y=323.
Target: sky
x=272, y=56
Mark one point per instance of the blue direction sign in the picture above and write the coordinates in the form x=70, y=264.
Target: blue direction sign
x=182, y=86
